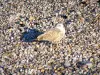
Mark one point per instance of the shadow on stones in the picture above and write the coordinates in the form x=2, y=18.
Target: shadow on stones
x=30, y=35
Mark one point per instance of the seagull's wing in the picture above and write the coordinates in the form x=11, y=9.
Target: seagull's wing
x=51, y=35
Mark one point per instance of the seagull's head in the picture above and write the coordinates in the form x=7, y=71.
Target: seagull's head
x=61, y=27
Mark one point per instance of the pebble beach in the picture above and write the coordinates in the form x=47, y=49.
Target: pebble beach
x=21, y=21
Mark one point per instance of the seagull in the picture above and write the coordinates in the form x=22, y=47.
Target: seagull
x=54, y=34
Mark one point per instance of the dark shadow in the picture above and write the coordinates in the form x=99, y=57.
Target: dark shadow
x=30, y=35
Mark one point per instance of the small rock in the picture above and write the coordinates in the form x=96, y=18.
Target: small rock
x=89, y=64
x=98, y=65
x=67, y=63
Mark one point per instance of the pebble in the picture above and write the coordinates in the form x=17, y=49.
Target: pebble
x=67, y=63
x=98, y=65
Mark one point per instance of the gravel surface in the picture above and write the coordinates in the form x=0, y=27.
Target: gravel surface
x=21, y=21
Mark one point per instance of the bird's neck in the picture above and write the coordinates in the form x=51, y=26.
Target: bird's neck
x=62, y=29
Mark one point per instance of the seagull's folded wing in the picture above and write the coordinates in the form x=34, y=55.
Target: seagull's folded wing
x=51, y=35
